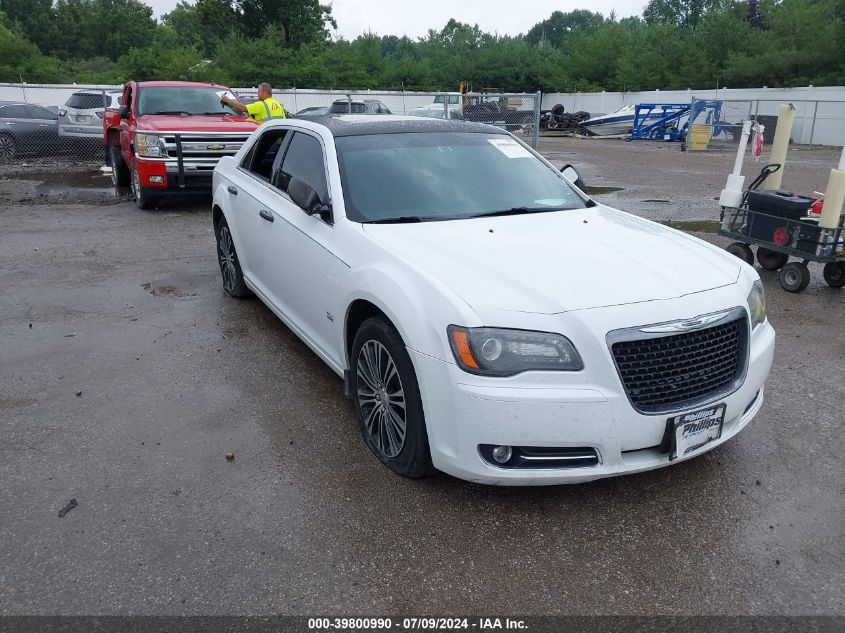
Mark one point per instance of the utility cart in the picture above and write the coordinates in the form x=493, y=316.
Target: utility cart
x=780, y=224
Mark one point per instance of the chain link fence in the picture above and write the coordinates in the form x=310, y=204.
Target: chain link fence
x=724, y=118
x=55, y=132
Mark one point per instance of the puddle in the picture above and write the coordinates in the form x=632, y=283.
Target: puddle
x=597, y=191
x=84, y=185
x=693, y=226
x=655, y=200
x=167, y=291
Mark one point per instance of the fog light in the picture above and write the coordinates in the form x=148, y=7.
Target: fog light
x=157, y=179
x=502, y=454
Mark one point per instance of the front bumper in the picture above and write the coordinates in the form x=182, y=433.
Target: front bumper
x=553, y=409
x=172, y=178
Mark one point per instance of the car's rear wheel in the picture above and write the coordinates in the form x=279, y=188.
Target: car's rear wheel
x=230, y=267
x=119, y=170
x=387, y=399
x=8, y=149
x=143, y=198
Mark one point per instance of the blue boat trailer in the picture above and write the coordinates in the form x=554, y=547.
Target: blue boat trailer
x=662, y=121
x=659, y=121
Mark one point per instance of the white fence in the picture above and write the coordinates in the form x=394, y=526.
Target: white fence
x=819, y=111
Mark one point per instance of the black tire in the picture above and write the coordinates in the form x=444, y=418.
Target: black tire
x=771, y=260
x=743, y=251
x=8, y=148
x=834, y=274
x=794, y=277
x=230, y=266
x=379, y=395
x=143, y=198
x=119, y=170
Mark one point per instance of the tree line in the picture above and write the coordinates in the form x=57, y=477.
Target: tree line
x=675, y=44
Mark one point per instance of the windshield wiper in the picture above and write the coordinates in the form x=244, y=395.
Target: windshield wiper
x=518, y=211
x=215, y=113
x=170, y=112
x=402, y=219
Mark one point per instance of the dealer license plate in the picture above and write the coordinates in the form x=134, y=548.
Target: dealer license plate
x=694, y=430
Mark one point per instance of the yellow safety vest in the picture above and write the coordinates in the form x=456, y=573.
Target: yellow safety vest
x=267, y=109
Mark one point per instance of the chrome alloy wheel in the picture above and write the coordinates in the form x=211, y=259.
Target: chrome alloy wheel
x=381, y=398
x=226, y=253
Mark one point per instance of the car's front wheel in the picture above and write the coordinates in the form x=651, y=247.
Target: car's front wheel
x=387, y=399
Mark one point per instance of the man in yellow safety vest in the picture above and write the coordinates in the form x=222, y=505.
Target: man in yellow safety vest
x=262, y=110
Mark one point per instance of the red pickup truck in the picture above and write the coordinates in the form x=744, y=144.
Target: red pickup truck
x=167, y=137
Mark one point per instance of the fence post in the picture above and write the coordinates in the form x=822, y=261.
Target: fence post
x=445, y=107
x=813, y=124
x=535, y=139
x=349, y=102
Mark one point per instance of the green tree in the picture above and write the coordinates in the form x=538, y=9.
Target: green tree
x=556, y=29
x=299, y=21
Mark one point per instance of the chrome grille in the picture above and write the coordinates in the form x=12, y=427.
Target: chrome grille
x=211, y=147
x=669, y=373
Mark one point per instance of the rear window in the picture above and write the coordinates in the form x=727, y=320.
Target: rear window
x=343, y=107
x=86, y=101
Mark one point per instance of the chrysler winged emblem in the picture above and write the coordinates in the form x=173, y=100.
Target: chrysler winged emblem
x=686, y=324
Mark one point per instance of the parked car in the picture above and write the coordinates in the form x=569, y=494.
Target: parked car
x=82, y=114
x=306, y=112
x=358, y=106
x=437, y=111
x=489, y=319
x=26, y=129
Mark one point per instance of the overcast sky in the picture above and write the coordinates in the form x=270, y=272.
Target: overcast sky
x=414, y=17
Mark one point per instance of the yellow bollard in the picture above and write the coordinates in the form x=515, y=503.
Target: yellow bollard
x=783, y=131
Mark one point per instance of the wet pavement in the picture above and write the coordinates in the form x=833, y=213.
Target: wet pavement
x=126, y=375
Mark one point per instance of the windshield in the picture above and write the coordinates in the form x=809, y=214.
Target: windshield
x=182, y=100
x=445, y=175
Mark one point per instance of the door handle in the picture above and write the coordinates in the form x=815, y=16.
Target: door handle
x=9, y=123
x=266, y=215
x=43, y=125
x=232, y=189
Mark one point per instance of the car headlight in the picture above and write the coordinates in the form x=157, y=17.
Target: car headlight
x=501, y=352
x=757, y=304
x=150, y=145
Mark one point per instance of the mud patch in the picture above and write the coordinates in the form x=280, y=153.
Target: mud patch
x=168, y=291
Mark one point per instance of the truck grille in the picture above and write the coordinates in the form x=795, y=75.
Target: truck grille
x=669, y=373
x=210, y=147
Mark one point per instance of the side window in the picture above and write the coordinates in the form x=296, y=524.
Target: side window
x=261, y=157
x=37, y=112
x=304, y=160
x=15, y=112
x=382, y=109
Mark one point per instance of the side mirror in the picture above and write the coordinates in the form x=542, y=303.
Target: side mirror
x=304, y=196
x=570, y=173
x=123, y=111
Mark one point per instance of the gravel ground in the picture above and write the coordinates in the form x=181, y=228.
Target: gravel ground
x=126, y=375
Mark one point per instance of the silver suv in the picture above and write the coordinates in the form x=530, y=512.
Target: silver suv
x=82, y=114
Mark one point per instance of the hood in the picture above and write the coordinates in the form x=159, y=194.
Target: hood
x=194, y=123
x=559, y=261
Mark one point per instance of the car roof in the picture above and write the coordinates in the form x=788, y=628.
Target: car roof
x=94, y=91
x=364, y=124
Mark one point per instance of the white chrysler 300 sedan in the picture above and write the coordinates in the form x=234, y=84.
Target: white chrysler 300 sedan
x=488, y=318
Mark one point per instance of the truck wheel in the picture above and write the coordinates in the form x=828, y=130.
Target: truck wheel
x=143, y=198
x=119, y=170
x=7, y=148
x=834, y=274
x=771, y=260
x=743, y=251
x=794, y=277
